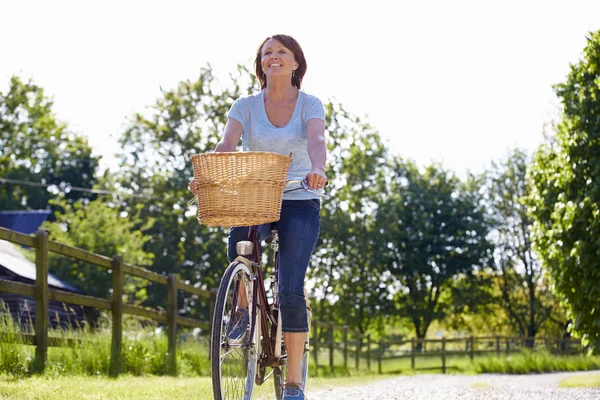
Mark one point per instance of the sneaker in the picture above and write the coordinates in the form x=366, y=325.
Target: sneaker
x=293, y=392
x=237, y=326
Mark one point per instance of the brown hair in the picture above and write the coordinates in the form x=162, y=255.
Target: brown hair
x=295, y=48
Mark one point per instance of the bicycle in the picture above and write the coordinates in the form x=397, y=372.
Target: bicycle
x=240, y=362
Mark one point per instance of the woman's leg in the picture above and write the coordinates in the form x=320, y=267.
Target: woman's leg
x=298, y=233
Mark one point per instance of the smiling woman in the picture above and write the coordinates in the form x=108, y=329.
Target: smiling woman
x=282, y=119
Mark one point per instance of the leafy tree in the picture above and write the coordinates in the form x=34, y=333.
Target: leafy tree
x=36, y=147
x=101, y=228
x=348, y=283
x=524, y=296
x=435, y=232
x=156, y=168
x=565, y=197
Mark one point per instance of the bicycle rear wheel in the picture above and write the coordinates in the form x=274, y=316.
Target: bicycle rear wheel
x=233, y=350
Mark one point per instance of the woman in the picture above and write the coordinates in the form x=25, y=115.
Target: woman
x=284, y=120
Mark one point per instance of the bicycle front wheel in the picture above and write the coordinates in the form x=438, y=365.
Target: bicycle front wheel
x=233, y=346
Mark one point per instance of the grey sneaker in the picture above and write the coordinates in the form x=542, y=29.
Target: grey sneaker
x=293, y=392
x=237, y=326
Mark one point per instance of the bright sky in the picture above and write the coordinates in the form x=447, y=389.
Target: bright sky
x=458, y=82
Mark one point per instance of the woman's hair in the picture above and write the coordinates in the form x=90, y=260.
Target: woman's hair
x=291, y=44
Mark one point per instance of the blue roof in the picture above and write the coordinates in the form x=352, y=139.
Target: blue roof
x=13, y=260
x=26, y=221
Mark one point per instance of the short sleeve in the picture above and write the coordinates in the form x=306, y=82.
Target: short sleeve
x=239, y=113
x=315, y=110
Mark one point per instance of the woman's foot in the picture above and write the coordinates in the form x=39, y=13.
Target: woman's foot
x=293, y=392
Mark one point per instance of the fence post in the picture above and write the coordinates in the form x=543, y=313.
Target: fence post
x=346, y=347
x=172, y=321
x=443, y=355
x=498, y=346
x=316, y=345
x=471, y=347
x=211, y=311
x=507, y=345
x=331, y=347
x=358, y=344
x=412, y=353
x=369, y=353
x=41, y=301
x=379, y=356
x=117, y=315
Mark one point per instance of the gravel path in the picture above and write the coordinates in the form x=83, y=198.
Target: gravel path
x=463, y=387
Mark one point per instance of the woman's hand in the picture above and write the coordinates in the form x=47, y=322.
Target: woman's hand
x=192, y=186
x=316, y=179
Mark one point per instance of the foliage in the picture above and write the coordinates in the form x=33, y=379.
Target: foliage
x=565, y=197
x=524, y=292
x=156, y=168
x=434, y=231
x=348, y=284
x=101, y=228
x=36, y=147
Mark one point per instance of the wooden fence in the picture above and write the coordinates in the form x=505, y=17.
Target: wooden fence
x=338, y=339
x=43, y=294
x=342, y=343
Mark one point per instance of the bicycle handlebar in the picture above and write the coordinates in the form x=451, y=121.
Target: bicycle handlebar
x=304, y=185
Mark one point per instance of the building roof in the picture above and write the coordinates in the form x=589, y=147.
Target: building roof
x=13, y=260
x=23, y=221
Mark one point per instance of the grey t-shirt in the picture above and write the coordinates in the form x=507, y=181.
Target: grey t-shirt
x=259, y=134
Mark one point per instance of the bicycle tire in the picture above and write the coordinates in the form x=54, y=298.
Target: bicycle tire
x=233, y=377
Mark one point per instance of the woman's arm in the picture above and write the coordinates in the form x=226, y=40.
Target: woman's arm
x=231, y=137
x=317, y=151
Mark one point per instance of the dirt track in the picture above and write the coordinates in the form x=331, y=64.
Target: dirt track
x=463, y=387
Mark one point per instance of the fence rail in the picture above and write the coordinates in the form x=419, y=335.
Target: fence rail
x=42, y=294
x=365, y=350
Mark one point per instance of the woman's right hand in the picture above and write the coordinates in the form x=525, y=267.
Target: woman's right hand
x=192, y=186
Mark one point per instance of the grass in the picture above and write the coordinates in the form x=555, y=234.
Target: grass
x=588, y=380
x=138, y=388
x=144, y=351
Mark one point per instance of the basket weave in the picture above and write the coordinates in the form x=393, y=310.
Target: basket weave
x=239, y=188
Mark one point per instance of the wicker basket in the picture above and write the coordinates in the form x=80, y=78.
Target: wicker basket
x=239, y=188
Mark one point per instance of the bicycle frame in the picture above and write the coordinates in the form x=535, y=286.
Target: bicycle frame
x=271, y=341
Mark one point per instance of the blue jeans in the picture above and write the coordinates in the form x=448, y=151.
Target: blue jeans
x=298, y=228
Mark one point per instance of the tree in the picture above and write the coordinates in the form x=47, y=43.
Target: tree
x=155, y=167
x=37, y=148
x=349, y=284
x=565, y=197
x=435, y=232
x=99, y=227
x=526, y=299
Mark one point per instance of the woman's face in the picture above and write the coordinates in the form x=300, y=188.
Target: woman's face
x=277, y=59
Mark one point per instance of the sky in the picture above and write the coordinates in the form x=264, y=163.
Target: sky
x=456, y=82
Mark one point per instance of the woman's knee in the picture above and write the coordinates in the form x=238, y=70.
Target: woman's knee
x=293, y=312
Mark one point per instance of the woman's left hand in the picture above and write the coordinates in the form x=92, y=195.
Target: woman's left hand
x=316, y=180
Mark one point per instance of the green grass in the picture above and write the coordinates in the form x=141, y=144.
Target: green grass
x=588, y=380
x=144, y=351
x=138, y=388
x=535, y=362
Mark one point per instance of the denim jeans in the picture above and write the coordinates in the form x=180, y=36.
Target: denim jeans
x=298, y=228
